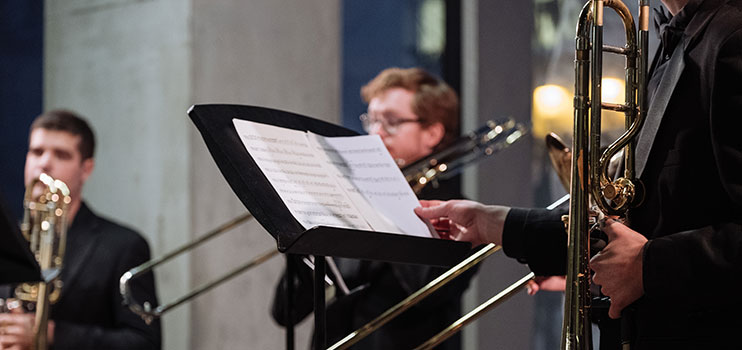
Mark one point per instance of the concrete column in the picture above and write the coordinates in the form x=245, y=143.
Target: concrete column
x=133, y=68
x=279, y=54
x=496, y=75
x=125, y=66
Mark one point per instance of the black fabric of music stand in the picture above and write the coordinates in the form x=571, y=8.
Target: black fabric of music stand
x=214, y=122
x=17, y=263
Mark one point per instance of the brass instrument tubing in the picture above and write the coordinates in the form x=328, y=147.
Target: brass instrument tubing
x=44, y=226
x=144, y=311
x=574, y=331
x=615, y=49
x=613, y=197
x=154, y=262
x=416, y=297
x=616, y=107
x=474, y=314
x=635, y=72
x=205, y=287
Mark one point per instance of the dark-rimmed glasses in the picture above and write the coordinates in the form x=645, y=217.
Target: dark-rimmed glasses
x=390, y=125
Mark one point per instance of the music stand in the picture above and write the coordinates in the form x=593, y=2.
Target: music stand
x=17, y=263
x=214, y=122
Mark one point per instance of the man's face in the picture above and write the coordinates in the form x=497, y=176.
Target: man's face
x=56, y=153
x=409, y=140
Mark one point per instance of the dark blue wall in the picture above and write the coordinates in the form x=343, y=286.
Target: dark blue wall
x=376, y=35
x=21, y=44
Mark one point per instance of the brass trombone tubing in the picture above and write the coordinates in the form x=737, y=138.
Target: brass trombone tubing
x=416, y=297
x=145, y=310
x=443, y=279
x=635, y=53
x=496, y=300
x=589, y=165
x=473, y=315
x=576, y=296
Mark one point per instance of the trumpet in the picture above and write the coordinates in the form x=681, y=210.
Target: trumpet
x=589, y=177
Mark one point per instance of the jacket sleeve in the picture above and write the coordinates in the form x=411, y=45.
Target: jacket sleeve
x=537, y=237
x=129, y=331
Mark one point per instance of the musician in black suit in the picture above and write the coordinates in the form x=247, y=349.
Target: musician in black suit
x=415, y=114
x=89, y=313
x=678, y=263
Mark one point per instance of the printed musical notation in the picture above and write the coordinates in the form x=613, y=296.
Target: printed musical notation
x=349, y=182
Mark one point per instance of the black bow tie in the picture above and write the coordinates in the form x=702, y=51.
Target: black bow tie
x=668, y=34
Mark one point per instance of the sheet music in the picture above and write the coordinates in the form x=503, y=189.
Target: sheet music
x=302, y=180
x=349, y=182
x=367, y=172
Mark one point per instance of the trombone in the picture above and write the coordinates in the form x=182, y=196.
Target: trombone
x=434, y=285
x=145, y=310
x=612, y=197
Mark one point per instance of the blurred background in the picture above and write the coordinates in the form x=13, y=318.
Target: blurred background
x=133, y=68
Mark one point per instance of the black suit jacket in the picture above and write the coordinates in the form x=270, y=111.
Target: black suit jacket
x=90, y=314
x=692, y=215
x=378, y=286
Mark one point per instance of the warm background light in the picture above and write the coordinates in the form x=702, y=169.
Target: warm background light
x=613, y=92
x=553, y=108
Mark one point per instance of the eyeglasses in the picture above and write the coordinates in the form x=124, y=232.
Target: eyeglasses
x=390, y=125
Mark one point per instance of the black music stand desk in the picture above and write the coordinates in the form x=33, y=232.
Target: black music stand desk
x=214, y=122
x=17, y=263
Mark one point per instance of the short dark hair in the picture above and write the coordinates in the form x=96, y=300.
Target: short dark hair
x=71, y=122
x=434, y=100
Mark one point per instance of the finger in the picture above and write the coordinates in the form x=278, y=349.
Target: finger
x=597, y=277
x=604, y=225
x=596, y=262
x=13, y=330
x=553, y=283
x=608, y=226
x=433, y=212
x=8, y=341
x=614, y=311
x=532, y=287
x=429, y=203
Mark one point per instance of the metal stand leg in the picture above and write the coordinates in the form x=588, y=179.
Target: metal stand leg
x=320, y=334
x=289, y=276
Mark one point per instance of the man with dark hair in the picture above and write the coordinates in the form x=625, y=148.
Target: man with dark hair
x=89, y=313
x=415, y=114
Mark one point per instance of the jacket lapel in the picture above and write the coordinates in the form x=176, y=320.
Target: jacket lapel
x=669, y=81
x=657, y=107
x=81, y=239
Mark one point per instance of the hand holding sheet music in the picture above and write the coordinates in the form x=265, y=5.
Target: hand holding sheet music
x=349, y=182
